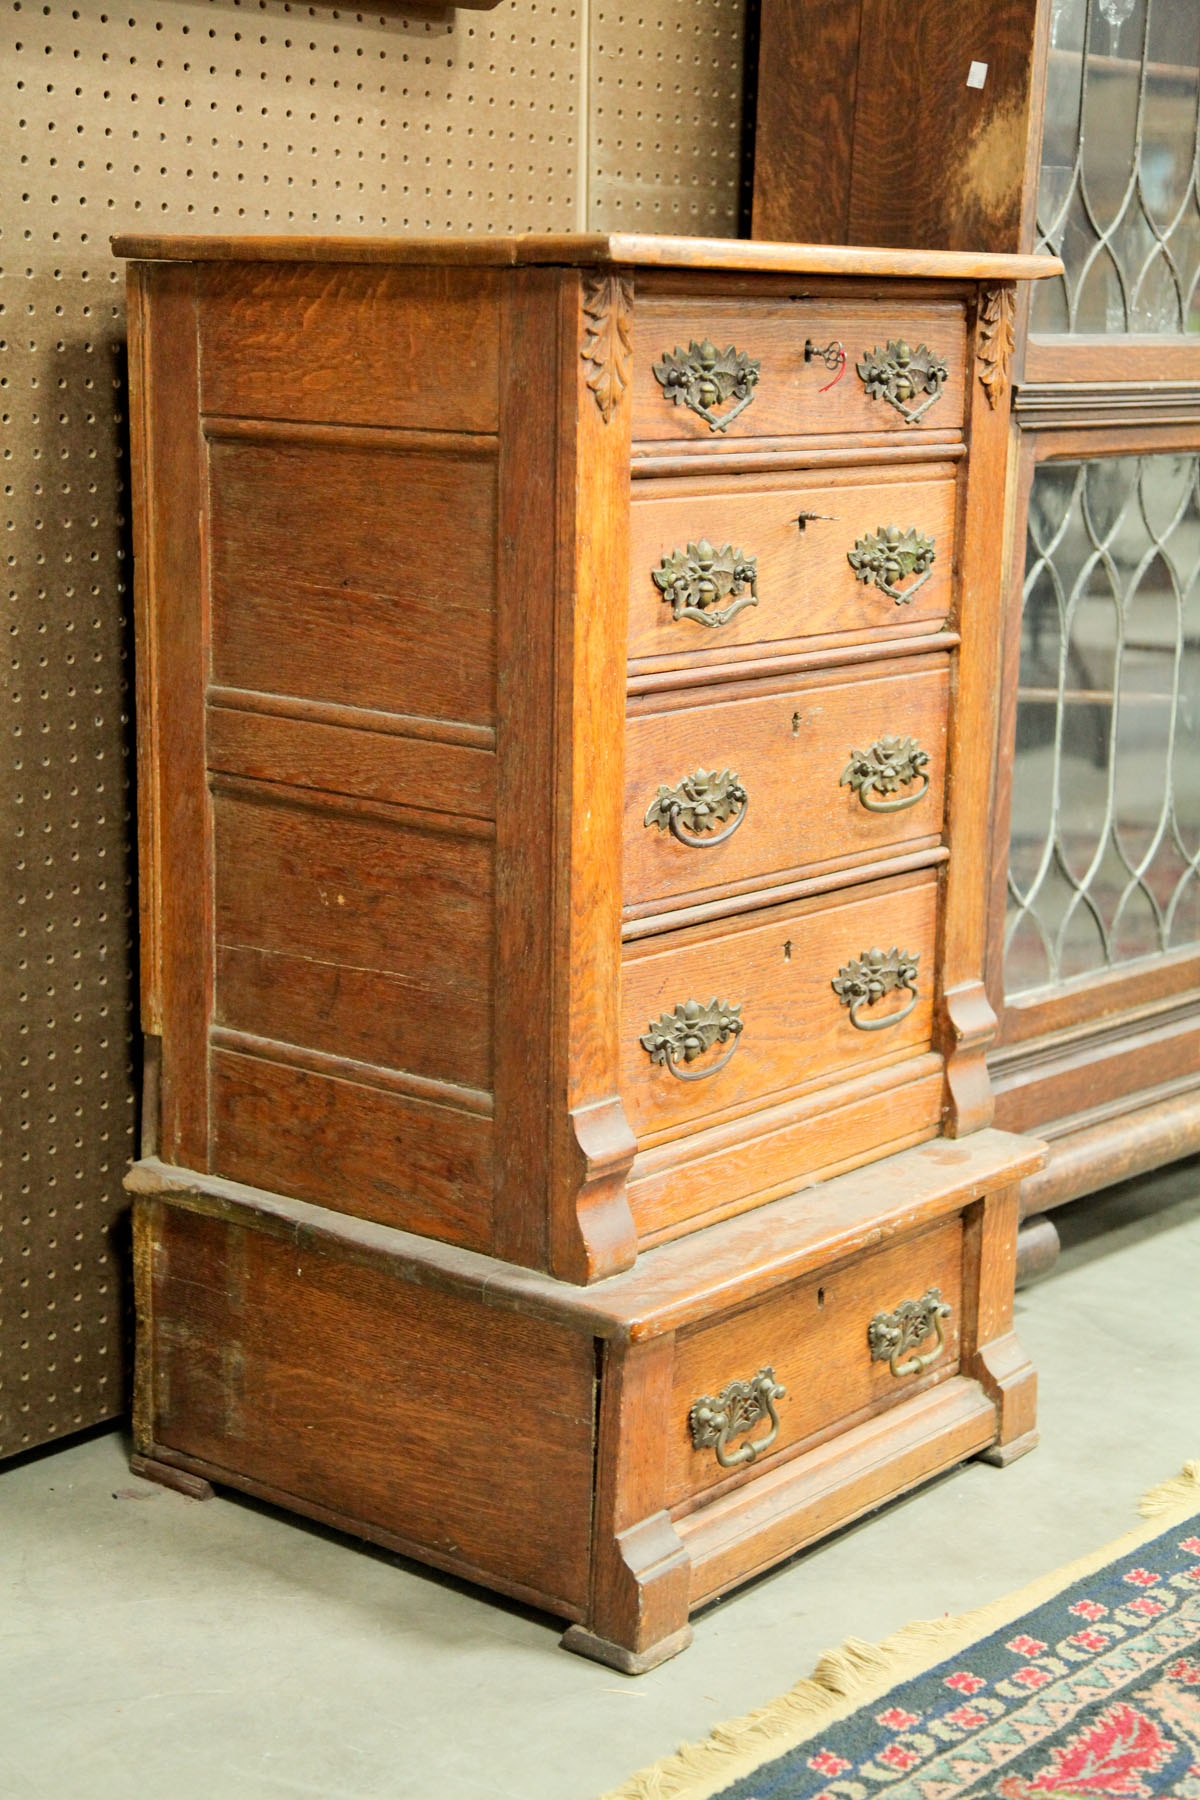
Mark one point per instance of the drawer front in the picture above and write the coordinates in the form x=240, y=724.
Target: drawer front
x=911, y=354
x=809, y=774
x=816, y=1342
x=689, y=552
x=778, y=1021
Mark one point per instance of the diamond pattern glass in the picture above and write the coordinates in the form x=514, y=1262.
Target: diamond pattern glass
x=1118, y=197
x=1104, y=852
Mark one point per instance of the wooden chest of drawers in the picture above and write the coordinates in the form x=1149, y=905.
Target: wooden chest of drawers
x=566, y=707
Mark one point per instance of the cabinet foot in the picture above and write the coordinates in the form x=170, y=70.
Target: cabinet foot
x=1000, y=1455
x=630, y=1662
x=194, y=1486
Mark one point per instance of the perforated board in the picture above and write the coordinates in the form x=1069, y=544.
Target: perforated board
x=225, y=115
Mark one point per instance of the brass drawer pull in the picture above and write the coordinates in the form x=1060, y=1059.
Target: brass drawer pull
x=703, y=378
x=902, y=376
x=867, y=978
x=715, y=1418
x=695, y=581
x=892, y=1335
x=688, y=1032
x=691, y=811
x=888, y=555
x=890, y=763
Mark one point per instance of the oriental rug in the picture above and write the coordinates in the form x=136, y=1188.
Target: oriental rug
x=1084, y=1686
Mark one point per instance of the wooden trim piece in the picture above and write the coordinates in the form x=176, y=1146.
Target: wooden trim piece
x=1120, y=995
x=1085, y=406
x=586, y=249
x=353, y=718
x=146, y=1211
x=1089, y=1154
x=417, y=1550
x=640, y=1570
x=1121, y=1061
x=149, y=796
x=592, y=1233
x=1019, y=484
x=1121, y=360
x=528, y=475
x=259, y=792
x=173, y=666
x=347, y=1068
x=650, y=919
x=228, y=428
x=776, y=455
x=677, y=1284
x=991, y=1352
x=964, y=1019
x=647, y=677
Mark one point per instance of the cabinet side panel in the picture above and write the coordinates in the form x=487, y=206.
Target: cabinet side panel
x=413, y=1412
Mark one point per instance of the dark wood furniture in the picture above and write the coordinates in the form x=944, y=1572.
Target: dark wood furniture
x=867, y=130
x=566, y=666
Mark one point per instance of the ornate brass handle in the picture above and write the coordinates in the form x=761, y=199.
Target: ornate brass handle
x=715, y=1418
x=688, y=1032
x=702, y=378
x=694, y=582
x=890, y=763
x=867, y=978
x=888, y=555
x=902, y=376
x=691, y=811
x=892, y=1335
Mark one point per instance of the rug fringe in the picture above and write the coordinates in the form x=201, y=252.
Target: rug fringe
x=1180, y=1493
x=858, y=1672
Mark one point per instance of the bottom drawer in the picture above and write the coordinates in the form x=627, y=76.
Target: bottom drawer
x=836, y=1343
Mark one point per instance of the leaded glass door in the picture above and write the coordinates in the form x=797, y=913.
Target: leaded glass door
x=1096, y=904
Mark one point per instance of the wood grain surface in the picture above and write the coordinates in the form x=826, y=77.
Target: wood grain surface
x=806, y=586
x=789, y=750
x=465, y=1430
x=329, y=584
x=778, y=968
x=814, y=1336
x=792, y=395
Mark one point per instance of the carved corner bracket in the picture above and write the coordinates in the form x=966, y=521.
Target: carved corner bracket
x=997, y=336
x=608, y=339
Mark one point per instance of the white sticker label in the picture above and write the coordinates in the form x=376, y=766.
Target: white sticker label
x=977, y=75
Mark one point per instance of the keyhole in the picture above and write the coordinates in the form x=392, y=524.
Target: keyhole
x=820, y=1298
x=795, y=724
x=787, y=951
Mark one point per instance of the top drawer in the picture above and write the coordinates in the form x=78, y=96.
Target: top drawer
x=911, y=353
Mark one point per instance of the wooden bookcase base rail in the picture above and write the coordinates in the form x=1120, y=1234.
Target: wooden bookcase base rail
x=549, y=1441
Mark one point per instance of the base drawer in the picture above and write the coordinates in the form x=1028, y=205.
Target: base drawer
x=837, y=1343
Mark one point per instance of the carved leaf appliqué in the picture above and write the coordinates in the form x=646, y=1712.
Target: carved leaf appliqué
x=607, y=343
x=996, y=339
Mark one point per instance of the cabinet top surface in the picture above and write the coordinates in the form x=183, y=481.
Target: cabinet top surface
x=592, y=249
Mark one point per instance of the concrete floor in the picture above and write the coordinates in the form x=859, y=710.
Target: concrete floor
x=150, y=1643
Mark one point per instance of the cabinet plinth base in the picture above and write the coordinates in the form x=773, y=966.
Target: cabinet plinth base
x=194, y=1486
x=615, y=1656
x=1000, y=1455
x=617, y=1455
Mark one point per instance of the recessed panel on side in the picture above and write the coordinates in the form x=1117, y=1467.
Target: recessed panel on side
x=351, y=344
x=354, y=932
x=361, y=576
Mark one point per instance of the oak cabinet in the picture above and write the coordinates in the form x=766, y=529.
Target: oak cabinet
x=567, y=698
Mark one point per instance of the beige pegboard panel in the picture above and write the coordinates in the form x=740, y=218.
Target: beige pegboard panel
x=665, y=119
x=223, y=116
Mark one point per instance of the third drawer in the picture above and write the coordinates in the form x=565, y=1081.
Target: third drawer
x=760, y=782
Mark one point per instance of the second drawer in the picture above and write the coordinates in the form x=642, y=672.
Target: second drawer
x=772, y=782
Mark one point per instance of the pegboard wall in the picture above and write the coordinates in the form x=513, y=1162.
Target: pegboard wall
x=225, y=116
